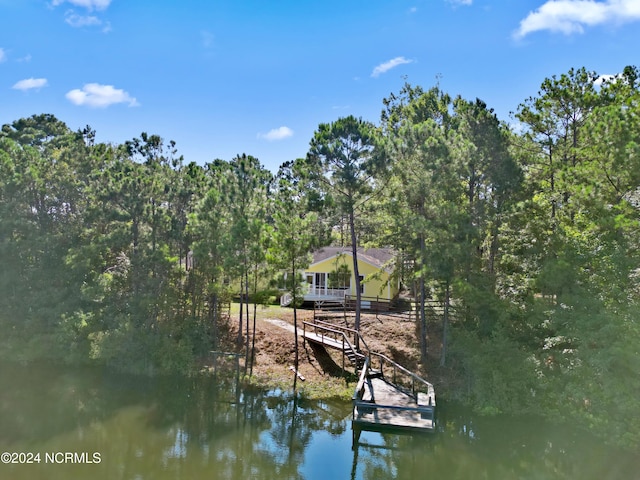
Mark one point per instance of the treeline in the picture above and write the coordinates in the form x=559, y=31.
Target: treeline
x=526, y=235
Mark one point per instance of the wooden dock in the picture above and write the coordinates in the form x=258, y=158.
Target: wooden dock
x=384, y=406
x=388, y=397
x=404, y=405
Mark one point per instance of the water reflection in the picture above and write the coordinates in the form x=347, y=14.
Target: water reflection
x=203, y=428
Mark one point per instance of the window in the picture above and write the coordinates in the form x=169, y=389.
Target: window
x=340, y=278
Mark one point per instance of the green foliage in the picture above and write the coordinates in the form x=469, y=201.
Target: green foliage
x=498, y=374
x=266, y=297
x=522, y=247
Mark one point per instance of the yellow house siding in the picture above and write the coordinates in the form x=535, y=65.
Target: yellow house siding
x=375, y=279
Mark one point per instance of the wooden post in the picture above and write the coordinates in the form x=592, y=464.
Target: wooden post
x=355, y=439
x=344, y=372
x=344, y=309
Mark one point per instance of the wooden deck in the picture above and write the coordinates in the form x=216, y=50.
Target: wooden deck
x=386, y=407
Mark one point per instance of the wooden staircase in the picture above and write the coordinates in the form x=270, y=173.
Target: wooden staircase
x=347, y=340
x=355, y=357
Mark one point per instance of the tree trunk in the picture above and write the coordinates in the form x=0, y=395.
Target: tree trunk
x=356, y=273
x=213, y=318
x=295, y=321
x=445, y=323
x=239, y=338
x=255, y=307
x=423, y=311
x=494, y=247
x=246, y=289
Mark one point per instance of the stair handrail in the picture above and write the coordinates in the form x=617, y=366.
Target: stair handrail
x=345, y=339
x=357, y=335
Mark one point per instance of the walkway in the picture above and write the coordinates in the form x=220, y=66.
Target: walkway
x=283, y=324
x=388, y=397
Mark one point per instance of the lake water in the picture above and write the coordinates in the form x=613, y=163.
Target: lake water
x=91, y=424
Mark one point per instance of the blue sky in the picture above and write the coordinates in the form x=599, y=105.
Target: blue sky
x=225, y=77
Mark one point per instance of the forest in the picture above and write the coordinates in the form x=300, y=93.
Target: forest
x=125, y=255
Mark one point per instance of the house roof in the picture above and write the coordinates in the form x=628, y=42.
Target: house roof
x=378, y=257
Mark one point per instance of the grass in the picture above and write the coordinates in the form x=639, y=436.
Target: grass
x=262, y=311
x=317, y=389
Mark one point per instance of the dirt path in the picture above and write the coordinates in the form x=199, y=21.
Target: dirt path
x=282, y=324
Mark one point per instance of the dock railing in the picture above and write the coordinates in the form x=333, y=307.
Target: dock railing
x=424, y=405
x=362, y=409
x=359, y=391
x=404, y=378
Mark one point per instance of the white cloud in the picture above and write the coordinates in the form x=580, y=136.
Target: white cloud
x=88, y=4
x=276, y=134
x=77, y=21
x=3, y=56
x=461, y=2
x=96, y=95
x=30, y=83
x=571, y=16
x=605, y=78
x=386, y=66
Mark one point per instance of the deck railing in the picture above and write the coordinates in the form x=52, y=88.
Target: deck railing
x=327, y=292
x=313, y=292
